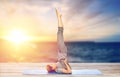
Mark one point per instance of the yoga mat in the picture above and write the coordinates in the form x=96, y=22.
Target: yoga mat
x=74, y=72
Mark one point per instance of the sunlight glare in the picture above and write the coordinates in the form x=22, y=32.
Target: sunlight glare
x=17, y=37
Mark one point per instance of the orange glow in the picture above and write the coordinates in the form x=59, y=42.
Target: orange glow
x=17, y=37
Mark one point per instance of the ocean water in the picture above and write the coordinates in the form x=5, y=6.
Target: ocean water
x=94, y=52
x=47, y=52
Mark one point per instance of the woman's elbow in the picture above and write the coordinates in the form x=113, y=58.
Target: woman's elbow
x=68, y=71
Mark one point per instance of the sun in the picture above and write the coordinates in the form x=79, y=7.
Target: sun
x=17, y=36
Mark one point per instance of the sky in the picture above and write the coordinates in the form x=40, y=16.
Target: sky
x=84, y=20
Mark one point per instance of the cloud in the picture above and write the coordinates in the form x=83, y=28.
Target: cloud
x=80, y=17
x=92, y=33
x=77, y=7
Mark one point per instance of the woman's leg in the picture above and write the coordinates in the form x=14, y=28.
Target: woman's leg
x=60, y=39
x=62, y=50
x=62, y=53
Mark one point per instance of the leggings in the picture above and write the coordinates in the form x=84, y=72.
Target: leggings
x=62, y=50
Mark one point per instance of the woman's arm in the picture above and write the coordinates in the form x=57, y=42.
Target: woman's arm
x=66, y=69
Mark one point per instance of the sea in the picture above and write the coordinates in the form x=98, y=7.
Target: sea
x=94, y=51
x=78, y=52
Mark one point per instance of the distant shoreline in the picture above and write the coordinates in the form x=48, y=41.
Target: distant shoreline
x=3, y=40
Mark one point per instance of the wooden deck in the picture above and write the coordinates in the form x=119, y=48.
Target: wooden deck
x=15, y=69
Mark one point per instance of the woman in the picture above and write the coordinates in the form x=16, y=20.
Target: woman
x=62, y=65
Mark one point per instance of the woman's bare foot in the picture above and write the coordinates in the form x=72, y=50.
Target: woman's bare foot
x=59, y=17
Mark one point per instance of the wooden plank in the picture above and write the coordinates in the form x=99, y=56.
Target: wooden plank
x=15, y=69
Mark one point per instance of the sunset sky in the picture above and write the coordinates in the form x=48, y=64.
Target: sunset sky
x=84, y=20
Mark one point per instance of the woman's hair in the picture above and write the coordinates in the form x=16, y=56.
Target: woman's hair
x=50, y=68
